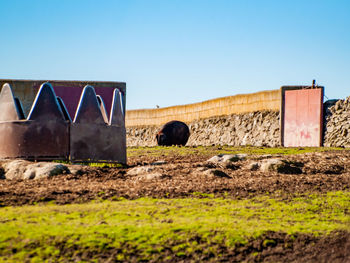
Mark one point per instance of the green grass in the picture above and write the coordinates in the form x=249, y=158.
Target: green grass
x=91, y=164
x=213, y=150
x=147, y=227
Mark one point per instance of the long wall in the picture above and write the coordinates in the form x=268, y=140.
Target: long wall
x=248, y=122
x=248, y=119
x=238, y=104
x=259, y=128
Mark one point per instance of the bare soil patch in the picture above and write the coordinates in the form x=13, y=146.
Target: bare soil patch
x=181, y=176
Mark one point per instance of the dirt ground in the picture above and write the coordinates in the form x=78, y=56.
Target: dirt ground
x=172, y=176
x=333, y=248
x=182, y=176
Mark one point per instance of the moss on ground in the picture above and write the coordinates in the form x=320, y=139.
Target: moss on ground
x=150, y=228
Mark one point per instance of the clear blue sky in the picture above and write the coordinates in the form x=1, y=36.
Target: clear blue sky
x=172, y=52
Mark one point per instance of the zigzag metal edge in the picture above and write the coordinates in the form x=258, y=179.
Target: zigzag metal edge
x=102, y=108
x=88, y=110
x=46, y=104
x=48, y=131
x=10, y=107
x=117, y=116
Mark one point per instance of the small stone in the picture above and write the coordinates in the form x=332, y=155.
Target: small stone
x=21, y=169
x=222, y=158
x=215, y=159
x=253, y=166
x=280, y=166
x=150, y=176
x=235, y=157
x=270, y=165
x=45, y=170
x=140, y=170
x=76, y=169
x=216, y=173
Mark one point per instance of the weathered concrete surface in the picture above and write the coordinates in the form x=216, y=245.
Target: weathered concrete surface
x=255, y=128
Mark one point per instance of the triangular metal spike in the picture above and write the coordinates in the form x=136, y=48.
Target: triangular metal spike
x=88, y=110
x=102, y=108
x=19, y=109
x=117, y=117
x=45, y=104
x=64, y=109
x=9, y=108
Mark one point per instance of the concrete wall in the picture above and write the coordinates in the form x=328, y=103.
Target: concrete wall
x=260, y=101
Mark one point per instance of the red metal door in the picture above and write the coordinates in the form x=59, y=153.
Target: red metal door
x=302, y=121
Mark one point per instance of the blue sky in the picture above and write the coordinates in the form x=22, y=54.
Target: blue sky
x=172, y=52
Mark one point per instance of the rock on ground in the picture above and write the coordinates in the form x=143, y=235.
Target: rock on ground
x=21, y=169
x=280, y=166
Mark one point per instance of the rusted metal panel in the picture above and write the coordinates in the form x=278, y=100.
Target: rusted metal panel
x=43, y=135
x=33, y=140
x=49, y=133
x=97, y=143
x=302, y=116
x=91, y=138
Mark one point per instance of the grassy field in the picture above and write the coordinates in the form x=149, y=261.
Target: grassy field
x=213, y=150
x=153, y=228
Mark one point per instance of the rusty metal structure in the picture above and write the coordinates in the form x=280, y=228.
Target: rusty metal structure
x=49, y=132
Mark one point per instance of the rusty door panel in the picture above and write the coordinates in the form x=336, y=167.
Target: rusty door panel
x=302, y=117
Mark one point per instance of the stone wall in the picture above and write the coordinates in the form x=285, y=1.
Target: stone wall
x=337, y=124
x=141, y=136
x=260, y=128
